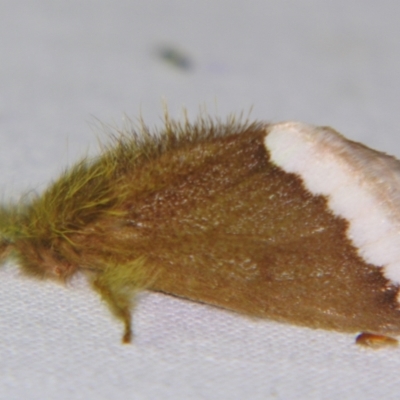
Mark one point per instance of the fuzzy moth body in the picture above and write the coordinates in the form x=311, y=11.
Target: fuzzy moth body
x=283, y=221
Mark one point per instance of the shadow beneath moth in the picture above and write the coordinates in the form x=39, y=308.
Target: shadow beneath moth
x=284, y=221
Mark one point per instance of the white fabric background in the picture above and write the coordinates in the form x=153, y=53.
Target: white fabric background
x=64, y=63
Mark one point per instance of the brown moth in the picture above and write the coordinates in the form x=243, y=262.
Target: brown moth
x=284, y=221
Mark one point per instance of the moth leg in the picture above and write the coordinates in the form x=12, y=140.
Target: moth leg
x=118, y=286
x=120, y=304
x=375, y=341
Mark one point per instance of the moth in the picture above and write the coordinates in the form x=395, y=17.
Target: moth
x=285, y=221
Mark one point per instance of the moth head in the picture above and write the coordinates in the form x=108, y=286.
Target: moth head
x=33, y=233
x=43, y=260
